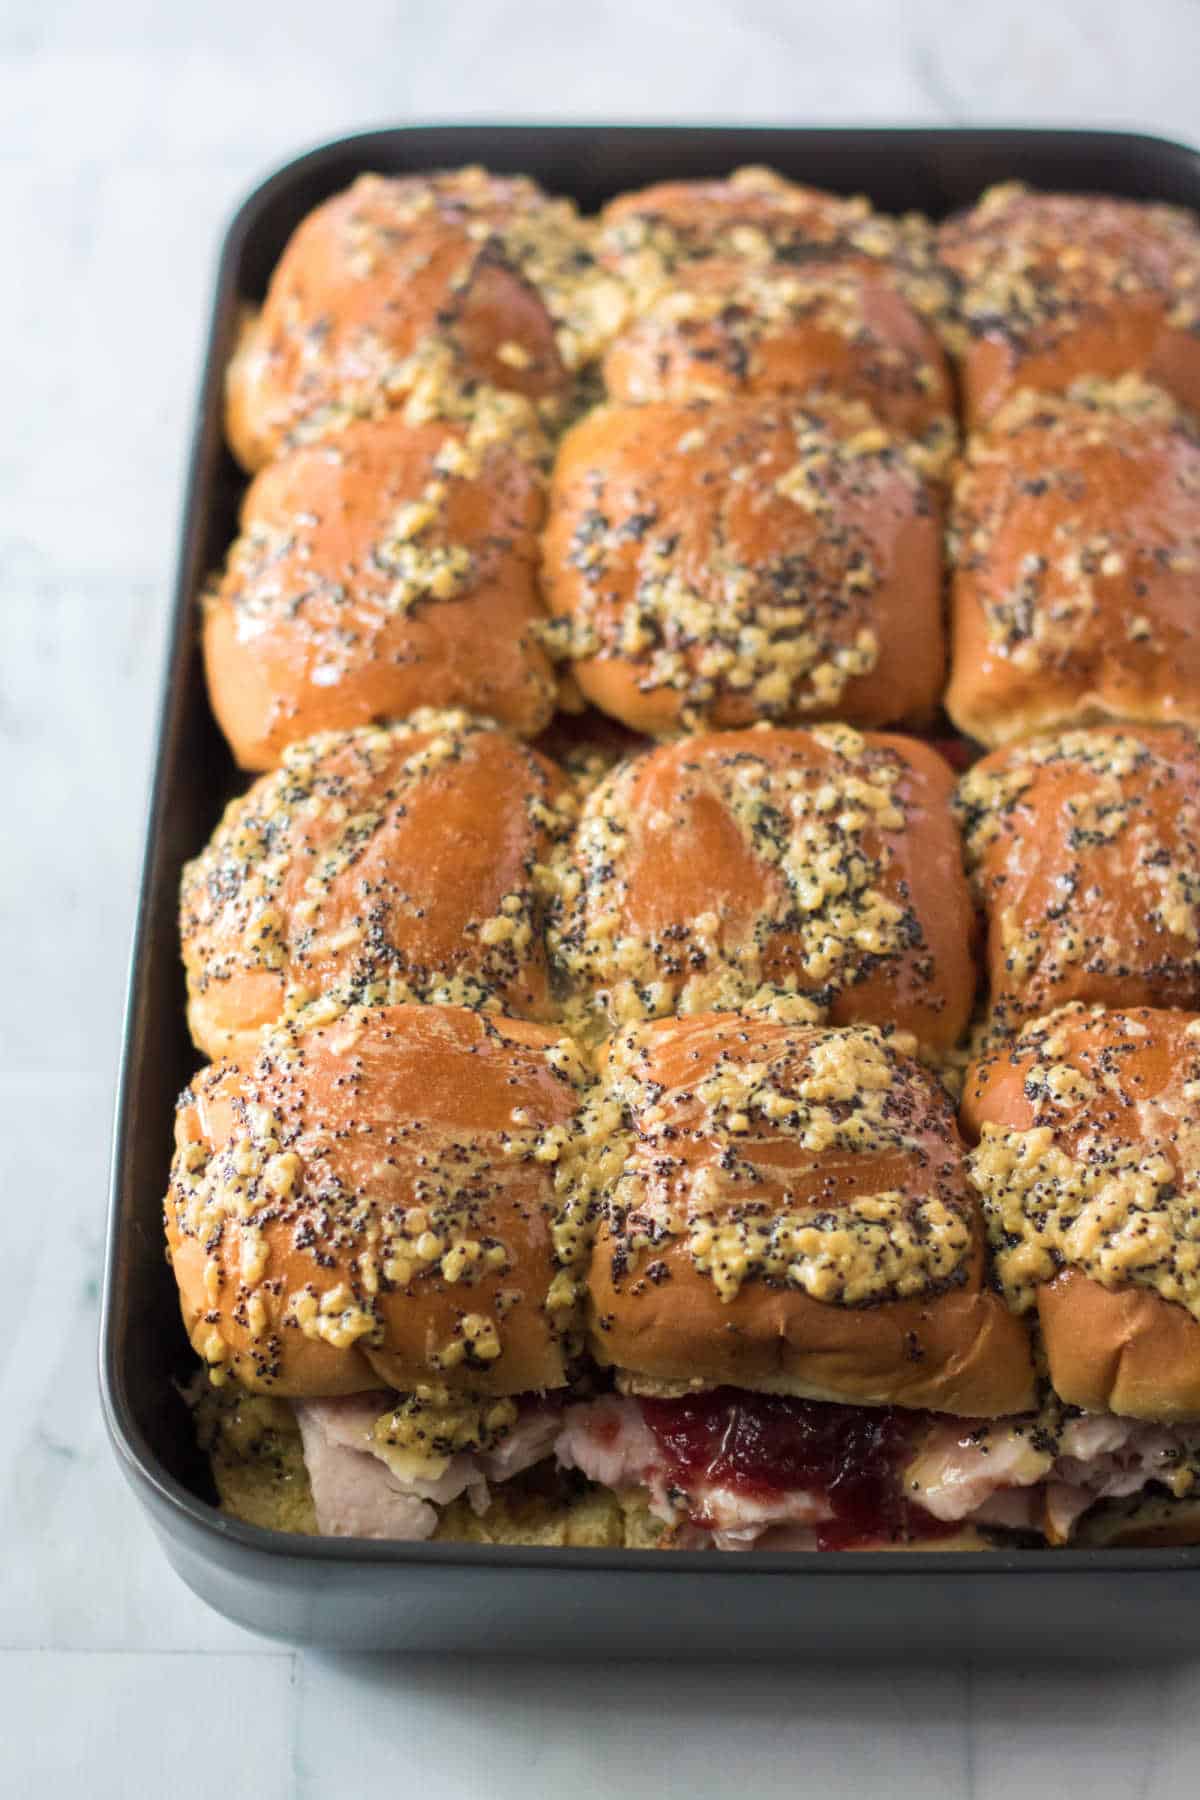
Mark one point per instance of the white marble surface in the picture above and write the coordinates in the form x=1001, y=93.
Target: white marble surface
x=127, y=132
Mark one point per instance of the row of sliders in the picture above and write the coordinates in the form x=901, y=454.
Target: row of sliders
x=500, y=1152
x=694, y=461
x=465, y=280
x=417, y=1228
x=840, y=872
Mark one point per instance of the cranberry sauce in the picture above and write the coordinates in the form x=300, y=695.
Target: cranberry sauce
x=761, y=1444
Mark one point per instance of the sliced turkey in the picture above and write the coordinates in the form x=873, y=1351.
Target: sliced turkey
x=356, y=1494
x=609, y=1441
x=1013, y=1474
x=1024, y=1474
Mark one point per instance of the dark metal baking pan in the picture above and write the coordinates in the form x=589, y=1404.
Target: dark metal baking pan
x=1024, y=1604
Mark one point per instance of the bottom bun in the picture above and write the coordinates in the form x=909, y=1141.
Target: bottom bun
x=1159, y=1522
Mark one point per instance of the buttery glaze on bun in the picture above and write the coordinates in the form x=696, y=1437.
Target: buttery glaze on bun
x=379, y=1201
x=726, y=327
x=399, y=861
x=754, y=212
x=1075, y=545
x=793, y=1216
x=391, y=568
x=736, y=865
x=749, y=560
x=404, y=286
x=1088, y=1166
x=1084, y=850
x=1055, y=287
x=756, y=216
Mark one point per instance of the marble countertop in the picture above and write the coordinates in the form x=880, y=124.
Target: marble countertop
x=130, y=130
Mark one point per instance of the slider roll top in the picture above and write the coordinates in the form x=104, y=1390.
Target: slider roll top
x=1084, y=851
x=793, y=1216
x=1075, y=556
x=737, y=869
x=1087, y=1163
x=391, y=568
x=734, y=328
x=718, y=565
x=385, y=1200
x=397, y=862
x=656, y=237
x=416, y=289
x=753, y=214
x=1055, y=287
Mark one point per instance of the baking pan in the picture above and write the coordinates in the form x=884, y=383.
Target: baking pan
x=1031, y=1605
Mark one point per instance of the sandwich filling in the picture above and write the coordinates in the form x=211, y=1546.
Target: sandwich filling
x=381, y=1465
x=729, y=1469
x=736, y=1470
x=1033, y=1475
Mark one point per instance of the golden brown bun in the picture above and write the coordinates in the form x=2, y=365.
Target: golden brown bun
x=726, y=328
x=1076, y=550
x=754, y=210
x=398, y=860
x=746, y=1241
x=756, y=216
x=256, y=1458
x=745, y=560
x=1059, y=286
x=1121, y=1350
x=823, y=863
x=546, y=1507
x=388, y=286
x=374, y=1201
x=1084, y=848
x=370, y=579
x=1092, y=1208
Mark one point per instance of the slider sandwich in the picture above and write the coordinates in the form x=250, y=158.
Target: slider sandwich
x=376, y=1224
x=733, y=1293
x=1087, y=1163
x=788, y=1287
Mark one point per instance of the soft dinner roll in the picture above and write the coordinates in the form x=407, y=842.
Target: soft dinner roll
x=1084, y=848
x=381, y=1199
x=754, y=213
x=757, y=216
x=1076, y=565
x=1088, y=1165
x=751, y=560
x=793, y=1215
x=389, y=569
x=398, y=859
x=1059, y=286
x=419, y=286
x=728, y=327
x=741, y=864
